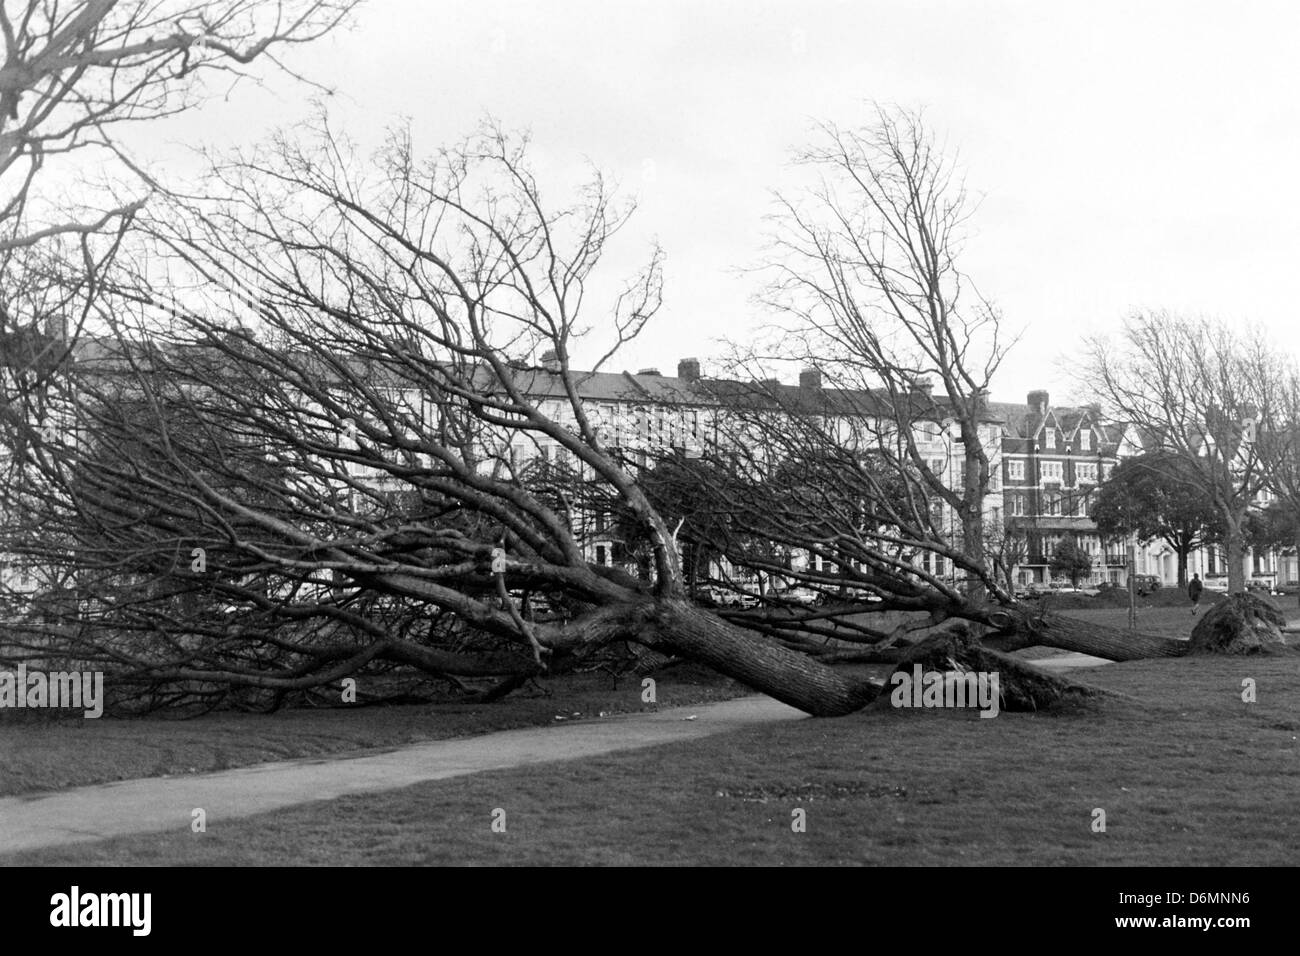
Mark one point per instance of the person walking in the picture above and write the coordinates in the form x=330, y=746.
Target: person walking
x=1194, y=589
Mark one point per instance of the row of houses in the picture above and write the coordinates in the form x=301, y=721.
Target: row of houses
x=1046, y=462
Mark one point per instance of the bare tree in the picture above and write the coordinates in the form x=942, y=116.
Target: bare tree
x=1204, y=398
x=864, y=272
x=1282, y=449
x=74, y=73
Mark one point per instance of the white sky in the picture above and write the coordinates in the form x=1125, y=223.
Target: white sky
x=1129, y=153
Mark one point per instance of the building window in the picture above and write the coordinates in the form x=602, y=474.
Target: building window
x=600, y=555
x=1085, y=439
x=1049, y=437
x=1015, y=471
x=1051, y=471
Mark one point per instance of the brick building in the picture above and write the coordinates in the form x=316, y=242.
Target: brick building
x=1053, y=459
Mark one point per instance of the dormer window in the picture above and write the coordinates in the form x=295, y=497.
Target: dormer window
x=1049, y=437
x=1085, y=440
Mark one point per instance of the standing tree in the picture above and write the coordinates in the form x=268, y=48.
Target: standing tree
x=1204, y=396
x=1007, y=547
x=1070, y=561
x=1280, y=524
x=865, y=279
x=1146, y=497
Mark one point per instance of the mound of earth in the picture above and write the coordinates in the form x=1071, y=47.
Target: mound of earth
x=1240, y=624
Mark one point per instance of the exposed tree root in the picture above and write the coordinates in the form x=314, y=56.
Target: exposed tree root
x=1241, y=624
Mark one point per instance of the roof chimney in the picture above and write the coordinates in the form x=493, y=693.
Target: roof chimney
x=1038, y=401
x=922, y=385
x=810, y=378
x=550, y=361
x=688, y=370
x=648, y=371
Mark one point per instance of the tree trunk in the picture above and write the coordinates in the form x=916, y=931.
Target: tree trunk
x=758, y=662
x=972, y=545
x=1182, y=567
x=1235, y=544
x=1297, y=561
x=1024, y=627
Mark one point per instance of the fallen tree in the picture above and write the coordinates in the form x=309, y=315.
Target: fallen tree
x=305, y=449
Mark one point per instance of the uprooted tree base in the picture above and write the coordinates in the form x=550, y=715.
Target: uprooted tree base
x=1241, y=624
x=1021, y=686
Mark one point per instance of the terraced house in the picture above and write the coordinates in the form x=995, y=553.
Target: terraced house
x=1053, y=459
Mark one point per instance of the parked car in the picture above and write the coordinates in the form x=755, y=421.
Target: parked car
x=712, y=595
x=792, y=595
x=850, y=596
x=1146, y=584
x=1029, y=592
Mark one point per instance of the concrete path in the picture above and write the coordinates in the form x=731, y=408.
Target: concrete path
x=1068, y=662
x=166, y=803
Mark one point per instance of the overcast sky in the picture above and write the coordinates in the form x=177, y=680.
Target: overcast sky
x=1129, y=154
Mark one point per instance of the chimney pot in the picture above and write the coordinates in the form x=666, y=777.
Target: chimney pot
x=810, y=378
x=648, y=371
x=688, y=370
x=550, y=361
x=1038, y=401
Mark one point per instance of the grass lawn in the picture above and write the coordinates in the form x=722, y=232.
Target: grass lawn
x=45, y=750
x=1186, y=773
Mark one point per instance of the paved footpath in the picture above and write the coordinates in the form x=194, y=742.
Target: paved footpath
x=1069, y=662
x=165, y=803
